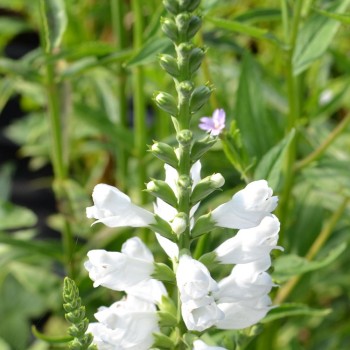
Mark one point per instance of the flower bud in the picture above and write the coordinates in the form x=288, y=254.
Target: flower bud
x=203, y=225
x=184, y=182
x=185, y=89
x=179, y=223
x=172, y=6
x=182, y=21
x=166, y=102
x=184, y=137
x=206, y=186
x=193, y=26
x=183, y=51
x=199, y=97
x=162, y=190
x=188, y=5
x=169, y=28
x=195, y=59
x=169, y=64
x=165, y=153
x=201, y=146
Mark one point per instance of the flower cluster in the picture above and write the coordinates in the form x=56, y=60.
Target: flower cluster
x=235, y=302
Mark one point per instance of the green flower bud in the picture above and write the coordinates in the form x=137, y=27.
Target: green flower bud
x=169, y=28
x=206, y=186
x=179, y=223
x=203, y=225
x=182, y=21
x=185, y=89
x=188, y=5
x=199, y=97
x=183, y=51
x=193, y=26
x=165, y=153
x=184, y=137
x=169, y=64
x=200, y=147
x=184, y=182
x=195, y=59
x=172, y=6
x=166, y=102
x=162, y=190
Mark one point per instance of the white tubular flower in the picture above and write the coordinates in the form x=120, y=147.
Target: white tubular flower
x=250, y=244
x=247, y=207
x=126, y=324
x=114, y=209
x=119, y=271
x=243, y=314
x=200, y=345
x=245, y=282
x=198, y=307
x=193, y=279
x=148, y=290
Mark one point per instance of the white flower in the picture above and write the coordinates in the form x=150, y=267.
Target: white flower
x=243, y=314
x=246, y=282
x=250, y=244
x=148, y=290
x=247, y=207
x=114, y=208
x=119, y=271
x=198, y=307
x=126, y=324
x=200, y=345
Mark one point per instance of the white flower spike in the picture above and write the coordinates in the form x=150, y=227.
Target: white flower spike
x=247, y=207
x=114, y=209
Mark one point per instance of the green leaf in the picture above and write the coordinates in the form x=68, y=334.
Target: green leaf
x=257, y=127
x=56, y=22
x=293, y=309
x=238, y=27
x=315, y=37
x=149, y=51
x=345, y=19
x=13, y=216
x=270, y=166
x=287, y=266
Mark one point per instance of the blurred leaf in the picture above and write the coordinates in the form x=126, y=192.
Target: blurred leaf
x=345, y=18
x=270, y=166
x=315, y=37
x=287, y=266
x=56, y=21
x=293, y=309
x=50, y=339
x=257, y=127
x=238, y=27
x=13, y=216
x=259, y=14
x=6, y=171
x=149, y=51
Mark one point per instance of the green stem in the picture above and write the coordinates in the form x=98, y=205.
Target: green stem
x=60, y=165
x=139, y=103
x=323, y=147
x=117, y=9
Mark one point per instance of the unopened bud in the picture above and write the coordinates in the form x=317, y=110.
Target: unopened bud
x=166, y=102
x=206, y=186
x=162, y=190
x=184, y=137
x=184, y=182
x=172, y=6
x=169, y=64
x=165, y=153
x=195, y=59
x=169, y=28
x=199, y=97
x=194, y=26
x=179, y=223
x=182, y=22
x=185, y=89
x=188, y=5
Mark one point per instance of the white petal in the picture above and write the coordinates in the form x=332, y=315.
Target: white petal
x=149, y=290
x=250, y=244
x=247, y=207
x=114, y=208
x=135, y=248
x=243, y=314
x=200, y=345
x=115, y=270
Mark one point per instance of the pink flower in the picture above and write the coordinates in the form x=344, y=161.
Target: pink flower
x=215, y=124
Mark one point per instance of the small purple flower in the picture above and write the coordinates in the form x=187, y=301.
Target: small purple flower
x=215, y=124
